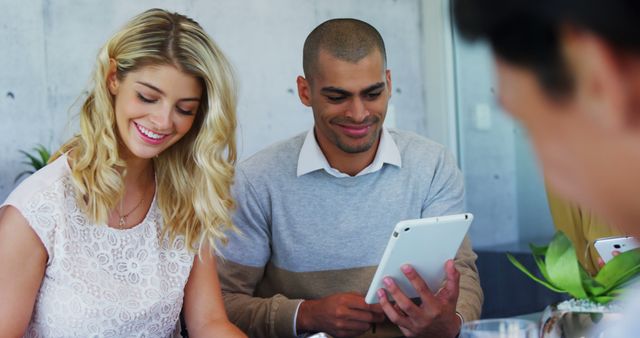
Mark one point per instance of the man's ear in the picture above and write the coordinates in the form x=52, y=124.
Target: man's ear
x=112, y=78
x=601, y=81
x=389, y=84
x=304, y=91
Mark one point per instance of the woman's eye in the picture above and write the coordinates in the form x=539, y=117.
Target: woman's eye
x=184, y=112
x=145, y=99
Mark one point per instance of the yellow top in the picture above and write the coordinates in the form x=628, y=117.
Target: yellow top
x=582, y=227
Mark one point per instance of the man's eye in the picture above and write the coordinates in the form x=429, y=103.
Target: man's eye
x=373, y=95
x=145, y=99
x=335, y=98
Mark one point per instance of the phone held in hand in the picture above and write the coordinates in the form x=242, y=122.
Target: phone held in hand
x=607, y=245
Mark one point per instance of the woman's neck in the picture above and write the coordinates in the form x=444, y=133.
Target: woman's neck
x=139, y=173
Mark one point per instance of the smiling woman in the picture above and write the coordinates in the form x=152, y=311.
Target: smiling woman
x=155, y=107
x=115, y=236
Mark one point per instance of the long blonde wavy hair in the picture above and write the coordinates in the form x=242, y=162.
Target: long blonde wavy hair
x=194, y=175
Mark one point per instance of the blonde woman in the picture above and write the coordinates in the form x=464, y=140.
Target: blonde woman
x=116, y=234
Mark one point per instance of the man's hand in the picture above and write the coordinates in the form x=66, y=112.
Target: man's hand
x=435, y=317
x=340, y=315
x=601, y=261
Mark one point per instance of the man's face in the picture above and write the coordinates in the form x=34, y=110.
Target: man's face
x=349, y=102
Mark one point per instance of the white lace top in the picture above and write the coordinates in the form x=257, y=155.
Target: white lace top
x=99, y=281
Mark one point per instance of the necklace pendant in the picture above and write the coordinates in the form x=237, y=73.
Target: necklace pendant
x=122, y=223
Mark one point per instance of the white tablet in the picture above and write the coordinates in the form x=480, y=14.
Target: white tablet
x=426, y=244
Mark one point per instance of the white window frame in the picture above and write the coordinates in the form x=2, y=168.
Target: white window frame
x=439, y=74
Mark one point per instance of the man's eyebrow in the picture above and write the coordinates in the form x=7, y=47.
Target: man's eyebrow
x=161, y=92
x=335, y=90
x=373, y=87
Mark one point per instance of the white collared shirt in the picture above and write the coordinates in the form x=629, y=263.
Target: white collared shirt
x=312, y=158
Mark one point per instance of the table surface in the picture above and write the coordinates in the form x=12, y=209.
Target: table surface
x=535, y=316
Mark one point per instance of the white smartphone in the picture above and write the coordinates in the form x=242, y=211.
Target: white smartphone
x=605, y=246
x=426, y=244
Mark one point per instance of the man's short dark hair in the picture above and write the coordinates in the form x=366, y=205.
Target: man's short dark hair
x=527, y=32
x=346, y=39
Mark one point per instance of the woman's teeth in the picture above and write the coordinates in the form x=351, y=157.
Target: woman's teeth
x=149, y=133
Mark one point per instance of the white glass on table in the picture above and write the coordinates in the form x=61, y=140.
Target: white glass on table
x=500, y=328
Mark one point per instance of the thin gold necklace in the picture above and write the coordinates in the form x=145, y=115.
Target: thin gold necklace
x=122, y=219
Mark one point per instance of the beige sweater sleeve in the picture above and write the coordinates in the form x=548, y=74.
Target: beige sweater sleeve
x=470, y=297
x=257, y=317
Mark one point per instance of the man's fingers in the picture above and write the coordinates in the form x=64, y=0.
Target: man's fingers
x=402, y=301
x=359, y=316
x=424, y=292
x=390, y=310
x=354, y=326
x=377, y=312
x=451, y=288
x=360, y=310
x=354, y=301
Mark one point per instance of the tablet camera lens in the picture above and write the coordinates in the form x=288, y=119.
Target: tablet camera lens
x=617, y=246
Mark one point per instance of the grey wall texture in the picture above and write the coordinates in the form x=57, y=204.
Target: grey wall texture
x=49, y=50
x=505, y=189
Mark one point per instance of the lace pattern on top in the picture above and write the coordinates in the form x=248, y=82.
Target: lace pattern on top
x=101, y=281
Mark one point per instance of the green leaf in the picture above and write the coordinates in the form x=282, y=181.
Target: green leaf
x=538, y=250
x=44, y=154
x=622, y=281
x=602, y=299
x=612, y=272
x=538, y=256
x=26, y=172
x=522, y=268
x=562, y=272
x=563, y=267
x=36, y=162
x=33, y=161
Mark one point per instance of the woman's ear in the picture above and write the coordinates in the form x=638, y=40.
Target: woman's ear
x=602, y=85
x=112, y=78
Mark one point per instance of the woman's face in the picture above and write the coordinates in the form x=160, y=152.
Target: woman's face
x=155, y=107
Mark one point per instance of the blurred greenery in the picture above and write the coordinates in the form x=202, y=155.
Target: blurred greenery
x=38, y=159
x=562, y=272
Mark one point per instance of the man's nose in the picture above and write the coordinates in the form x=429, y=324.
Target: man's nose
x=358, y=112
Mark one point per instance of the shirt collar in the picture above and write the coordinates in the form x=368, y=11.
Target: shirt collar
x=311, y=157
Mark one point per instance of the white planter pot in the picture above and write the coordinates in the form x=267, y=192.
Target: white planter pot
x=577, y=319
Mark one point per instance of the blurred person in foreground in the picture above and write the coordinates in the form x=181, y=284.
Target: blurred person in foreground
x=569, y=71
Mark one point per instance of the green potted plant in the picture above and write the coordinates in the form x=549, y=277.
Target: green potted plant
x=37, y=160
x=593, y=297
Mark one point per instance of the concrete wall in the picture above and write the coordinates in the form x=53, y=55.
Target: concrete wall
x=49, y=50
x=505, y=190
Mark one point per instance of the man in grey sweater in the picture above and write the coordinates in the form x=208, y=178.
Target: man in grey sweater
x=316, y=210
